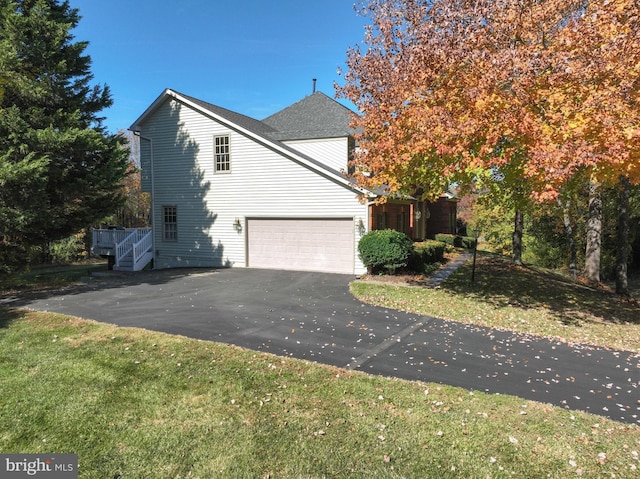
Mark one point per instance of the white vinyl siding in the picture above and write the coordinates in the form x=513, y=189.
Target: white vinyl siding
x=332, y=152
x=262, y=183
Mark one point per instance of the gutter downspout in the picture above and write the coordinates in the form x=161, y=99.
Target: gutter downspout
x=153, y=196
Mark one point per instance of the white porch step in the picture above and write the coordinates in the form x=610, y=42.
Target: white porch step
x=132, y=248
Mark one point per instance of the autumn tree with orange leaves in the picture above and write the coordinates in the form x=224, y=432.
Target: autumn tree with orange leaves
x=545, y=92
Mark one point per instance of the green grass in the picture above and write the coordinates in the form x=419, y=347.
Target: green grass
x=139, y=404
x=52, y=275
x=519, y=298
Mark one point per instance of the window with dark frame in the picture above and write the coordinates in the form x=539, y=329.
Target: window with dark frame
x=170, y=223
x=222, y=156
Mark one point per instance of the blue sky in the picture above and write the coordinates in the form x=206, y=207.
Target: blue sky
x=251, y=56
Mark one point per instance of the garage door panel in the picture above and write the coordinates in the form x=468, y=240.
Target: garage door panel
x=301, y=244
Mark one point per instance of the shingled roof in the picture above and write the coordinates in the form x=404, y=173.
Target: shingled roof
x=237, y=118
x=315, y=116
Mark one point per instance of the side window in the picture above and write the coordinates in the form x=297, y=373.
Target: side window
x=222, y=156
x=170, y=223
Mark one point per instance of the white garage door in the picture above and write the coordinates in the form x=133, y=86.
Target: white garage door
x=301, y=244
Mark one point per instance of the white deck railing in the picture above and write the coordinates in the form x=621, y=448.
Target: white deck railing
x=136, y=242
x=141, y=251
x=123, y=247
x=107, y=238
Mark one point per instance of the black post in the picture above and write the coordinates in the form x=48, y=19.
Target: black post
x=475, y=252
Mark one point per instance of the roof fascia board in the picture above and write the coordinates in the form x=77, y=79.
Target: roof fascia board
x=137, y=125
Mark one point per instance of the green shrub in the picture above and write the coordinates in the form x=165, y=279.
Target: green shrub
x=426, y=254
x=542, y=253
x=451, y=240
x=68, y=250
x=468, y=242
x=385, y=250
x=456, y=241
x=432, y=251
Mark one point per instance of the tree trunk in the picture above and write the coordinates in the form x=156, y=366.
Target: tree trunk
x=594, y=234
x=573, y=253
x=622, y=255
x=517, y=237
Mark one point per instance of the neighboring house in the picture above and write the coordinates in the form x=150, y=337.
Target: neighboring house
x=229, y=190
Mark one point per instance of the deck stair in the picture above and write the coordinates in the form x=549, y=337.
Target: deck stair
x=128, y=249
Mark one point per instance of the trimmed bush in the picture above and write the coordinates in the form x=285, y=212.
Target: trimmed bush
x=451, y=240
x=425, y=255
x=431, y=251
x=456, y=241
x=385, y=250
x=468, y=242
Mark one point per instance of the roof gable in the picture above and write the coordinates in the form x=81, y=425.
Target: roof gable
x=236, y=118
x=315, y=116
x=261, y=132
x=233, y=117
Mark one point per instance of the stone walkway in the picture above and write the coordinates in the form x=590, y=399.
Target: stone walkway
x=434, y=280
x=438, y=277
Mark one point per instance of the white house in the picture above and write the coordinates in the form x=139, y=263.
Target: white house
x=229, y=190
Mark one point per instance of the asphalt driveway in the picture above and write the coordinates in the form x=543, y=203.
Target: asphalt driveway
x=313, y=316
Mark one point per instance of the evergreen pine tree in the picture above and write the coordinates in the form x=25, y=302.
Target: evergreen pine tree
x=60, y=170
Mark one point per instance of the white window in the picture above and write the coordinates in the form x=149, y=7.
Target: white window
x=170, y=223
x=222, y=156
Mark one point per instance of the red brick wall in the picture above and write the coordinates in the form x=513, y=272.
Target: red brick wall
x=394, y=216
x=443, y=217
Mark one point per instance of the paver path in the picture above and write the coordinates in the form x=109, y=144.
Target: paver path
x=313, y=316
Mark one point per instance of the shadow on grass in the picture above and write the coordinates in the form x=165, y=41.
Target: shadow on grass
x=502, y=283
x=8, y=316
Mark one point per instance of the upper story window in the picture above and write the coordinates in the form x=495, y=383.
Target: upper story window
x=221, y=154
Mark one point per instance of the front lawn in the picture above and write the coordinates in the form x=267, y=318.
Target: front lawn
x=518, y=298
x=139, y=404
